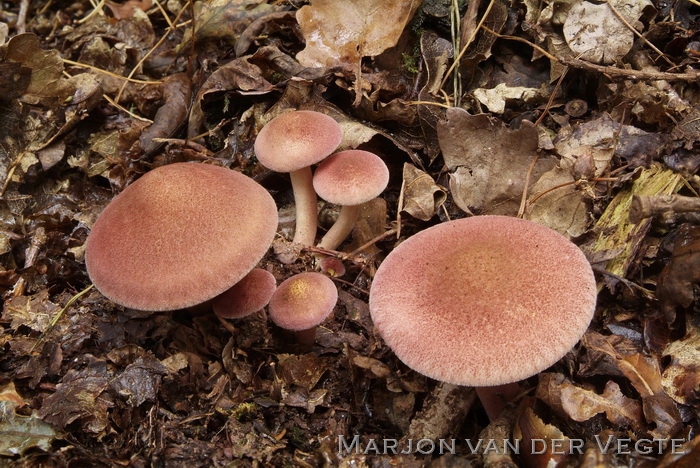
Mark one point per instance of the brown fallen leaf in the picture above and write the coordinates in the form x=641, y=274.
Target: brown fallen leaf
x=177, y=94
x=681, y=378
x=644, y=374
x=303, y=370
x=563, y=208
x=541, y=445
x=677, y=280
x=488, y=162
x=126, y=9
x=422, y=197
x=80, y=396
x=341, y=32
x=375, y=366
x=436, y=53
x=581, y=404
x=36, y=72
x=595, y=33
x=239, y=75
x=226, y=19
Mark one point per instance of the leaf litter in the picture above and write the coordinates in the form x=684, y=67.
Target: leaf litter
x=90, y=99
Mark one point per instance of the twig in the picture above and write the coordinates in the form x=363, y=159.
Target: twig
x=524, y=41
x=631, y=74
x=565, y=184
x=98, y=9
x=637, y=33
x=153, y=49
x=109, y=73
x=21, y=23
x=348, y=283
x=372, y=242
x=659, y=205
x=428, y=103
x=165, y=14
x=58, y=316
x=523, y=199
x=466, y=45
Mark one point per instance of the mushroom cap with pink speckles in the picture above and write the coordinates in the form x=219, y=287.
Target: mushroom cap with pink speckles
x=483, y=301
x=179, y=236
x=296, y=140
x=249, y=295
x=351, y=177
x=303, y=301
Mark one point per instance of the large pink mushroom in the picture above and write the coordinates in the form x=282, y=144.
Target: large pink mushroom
x=483, y=301
x=292, y=142
x=179, y=236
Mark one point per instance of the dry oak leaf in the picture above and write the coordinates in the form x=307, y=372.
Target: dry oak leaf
x=681, y=378
x=488, y=162
x=341, y=32
x=595, y=32
x=644, y=374
x=581, y=404
x=422, y=196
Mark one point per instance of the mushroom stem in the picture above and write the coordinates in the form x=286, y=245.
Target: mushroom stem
x=306, y=206
x=495, y=399
x=306, y=338
x=341, y=228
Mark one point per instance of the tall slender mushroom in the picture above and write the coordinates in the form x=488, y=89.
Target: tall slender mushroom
x=483, y=301
x=349, y=178
x=292, y=142
x=179, y=236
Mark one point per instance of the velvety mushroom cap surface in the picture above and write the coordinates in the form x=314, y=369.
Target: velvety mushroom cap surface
x=351, y=177
x=180, y=235
x=296, y=140
x=303, y=301
x=483, y=301
x=249, y=295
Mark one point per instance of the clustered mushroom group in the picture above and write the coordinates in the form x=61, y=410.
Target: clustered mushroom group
x=484, y=301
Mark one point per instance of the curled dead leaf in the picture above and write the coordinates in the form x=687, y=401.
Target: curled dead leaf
x=488, y=162
x=422, y=197
x=681, y=378
x=542, y=445
x=581, y=404
x=171, y=115
x=341, y=32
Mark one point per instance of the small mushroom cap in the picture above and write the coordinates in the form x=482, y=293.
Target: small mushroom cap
x=297, y=139
x=303, y=301
x=351, y=177
x=483, y=301
x=180, y=235
x=249, y=295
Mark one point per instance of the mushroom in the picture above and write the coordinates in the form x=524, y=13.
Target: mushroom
x=301, y=303
x=179, y=236
x=292, y=142
x=483, y=301
x=348, y=178
x=249, y=295
x=332, y=266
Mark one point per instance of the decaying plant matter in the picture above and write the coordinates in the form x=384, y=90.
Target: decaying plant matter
x=580, y=116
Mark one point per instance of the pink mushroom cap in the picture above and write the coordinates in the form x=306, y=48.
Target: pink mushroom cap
x=179, y=236
x=483, y=301
x=297, y=139
x=303, y=301
x=351, y=177
x=249, y=295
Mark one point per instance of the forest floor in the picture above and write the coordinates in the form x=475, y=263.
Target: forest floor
x=581, y=116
